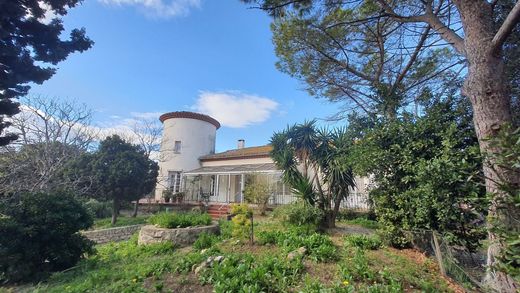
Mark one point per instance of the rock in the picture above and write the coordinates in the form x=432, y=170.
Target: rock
x=210, y=260
x=200, y=268
x=218, y=258
x=296, y=253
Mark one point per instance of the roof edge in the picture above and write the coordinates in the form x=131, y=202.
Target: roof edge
x=238, y=157
x=189, y=115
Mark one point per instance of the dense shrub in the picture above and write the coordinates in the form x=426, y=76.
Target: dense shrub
x=319, y=247
x=179, y=220
x=39, y=235
x=428, y=174
x=299, y=213
x=245, y=273
x=371, y=242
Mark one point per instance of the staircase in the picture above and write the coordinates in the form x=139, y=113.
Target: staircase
x=217, y=211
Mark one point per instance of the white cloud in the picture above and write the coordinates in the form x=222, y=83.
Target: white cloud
x=235, y=109
x=159, y=8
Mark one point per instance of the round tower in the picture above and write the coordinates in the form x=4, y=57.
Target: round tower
x=186, y=137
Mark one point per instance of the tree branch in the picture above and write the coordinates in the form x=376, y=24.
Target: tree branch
x=430, y=18
x=507, y=27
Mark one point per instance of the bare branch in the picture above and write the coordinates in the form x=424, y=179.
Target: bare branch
x=512, y=19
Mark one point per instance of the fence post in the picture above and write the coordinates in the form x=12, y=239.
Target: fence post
x=438, y=253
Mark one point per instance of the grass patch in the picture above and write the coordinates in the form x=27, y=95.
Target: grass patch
x=363, y=222
x=179, y=220
x=127, y=267
x=116, y=267
x=121, y=221
x=371, y=242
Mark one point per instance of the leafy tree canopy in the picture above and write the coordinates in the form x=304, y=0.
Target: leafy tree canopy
x=117, y=171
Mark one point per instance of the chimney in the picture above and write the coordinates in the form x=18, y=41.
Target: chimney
x=241, y=144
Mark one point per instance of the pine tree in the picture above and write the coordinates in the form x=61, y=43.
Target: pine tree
x=30, y=47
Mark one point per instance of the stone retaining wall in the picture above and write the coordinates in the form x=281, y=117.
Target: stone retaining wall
x=179, y=236
x=112, y=234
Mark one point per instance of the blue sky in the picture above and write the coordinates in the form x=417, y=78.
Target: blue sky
x=156, y=56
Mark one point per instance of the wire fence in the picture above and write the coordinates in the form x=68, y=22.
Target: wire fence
x=464, y=267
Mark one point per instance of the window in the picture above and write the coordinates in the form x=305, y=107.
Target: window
x=177, y=147
x=175, y=181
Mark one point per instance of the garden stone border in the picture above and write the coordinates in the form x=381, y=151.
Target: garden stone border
x=179, y=236
x=114, y=234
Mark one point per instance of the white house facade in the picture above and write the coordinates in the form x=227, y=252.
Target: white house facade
x=188, y=163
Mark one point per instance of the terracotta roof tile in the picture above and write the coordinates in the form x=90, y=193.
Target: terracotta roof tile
x=244, y=153
x=190, y=115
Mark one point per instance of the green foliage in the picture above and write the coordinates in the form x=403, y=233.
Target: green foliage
x=226, y=228
x=246, y=273
x=363, y=222
x=505, y=223
x=179, y=220
x=121, y=221
x=116, y=267
x=342, y=53
x=100, y=209
x=302, y=152
x=118, y=171
x=241, y=221
x=371, y=242
x=241, y=209
x=428, y=174
x=205, y=240
x=299, y=213
x=39, y=235
x=319, y=247
x=257, y=191
x=30, y=48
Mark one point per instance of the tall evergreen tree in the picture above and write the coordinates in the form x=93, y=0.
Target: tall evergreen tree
x=30, y=46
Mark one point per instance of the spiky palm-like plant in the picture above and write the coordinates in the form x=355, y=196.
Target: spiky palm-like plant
x=314, y=165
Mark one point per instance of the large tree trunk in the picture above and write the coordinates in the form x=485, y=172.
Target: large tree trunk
x=115, y=210
x=487, y=89
x=136, y=208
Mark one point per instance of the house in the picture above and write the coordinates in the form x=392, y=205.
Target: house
x=188, y=163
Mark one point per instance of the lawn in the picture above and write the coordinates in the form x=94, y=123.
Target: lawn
x=330, y=263
x=121, y=221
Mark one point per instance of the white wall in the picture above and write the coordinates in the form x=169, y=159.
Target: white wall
x=197, y=139
x=229, y=162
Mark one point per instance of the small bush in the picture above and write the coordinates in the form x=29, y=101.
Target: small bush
x=241, y=220
x=179, y=220
x=371, y=242
x=241, y=209
x=299, y=213
x=205, y=240
x=226, y=228
x=39, y=235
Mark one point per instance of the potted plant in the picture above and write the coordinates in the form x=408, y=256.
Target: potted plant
x=179, y=197
x=167, y=195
